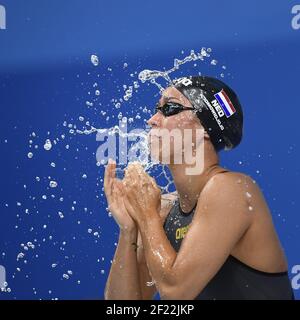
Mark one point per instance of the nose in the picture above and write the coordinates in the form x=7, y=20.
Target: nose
x=155, y=120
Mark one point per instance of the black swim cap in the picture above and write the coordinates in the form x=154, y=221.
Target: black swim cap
x=219, y=109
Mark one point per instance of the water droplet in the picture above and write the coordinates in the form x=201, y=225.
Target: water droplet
x=48, y=145
x=20, y=256
x=30, y=155
x=53, y=184
x=150, y=283
x=94, y=60
x=30, y=245
x=89, y=104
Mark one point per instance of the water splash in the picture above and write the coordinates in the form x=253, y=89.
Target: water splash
x=50, y=189
x=152, y=75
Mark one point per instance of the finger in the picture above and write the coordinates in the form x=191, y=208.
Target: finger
x=128, y=185
x=150, y=179
x=123, y=194
x=108, y=177
x=114, y=191
x=128, y=170
x=118, y=187
x=128, y=206
x=136, y=172
x=112, y=168
x=129, y=175
x=110, y=165
x=122, y=187
x=146, y=179
x=133, y=167
x=153, y=181
x=133, y=177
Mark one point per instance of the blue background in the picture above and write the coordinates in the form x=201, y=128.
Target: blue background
x=46, y=77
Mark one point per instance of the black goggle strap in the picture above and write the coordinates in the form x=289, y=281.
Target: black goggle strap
x=177, y=106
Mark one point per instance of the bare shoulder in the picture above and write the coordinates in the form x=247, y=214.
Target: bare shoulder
x=232, y=190
x=231, y=181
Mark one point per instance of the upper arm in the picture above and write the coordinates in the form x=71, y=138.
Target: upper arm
x=220, y=220
x=148, y=288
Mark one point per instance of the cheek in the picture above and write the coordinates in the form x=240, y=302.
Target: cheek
x=168, y=123
x=175, y=122
x=182, y=121
x=186, y=120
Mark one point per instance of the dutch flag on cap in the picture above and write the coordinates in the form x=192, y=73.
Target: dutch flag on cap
x=225, y=103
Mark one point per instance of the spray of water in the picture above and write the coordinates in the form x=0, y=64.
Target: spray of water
x=152, y=75
x=50, y=187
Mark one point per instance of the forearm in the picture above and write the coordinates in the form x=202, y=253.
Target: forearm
x=123, y=279
x=159, y=253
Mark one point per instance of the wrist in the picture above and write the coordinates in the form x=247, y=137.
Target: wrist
x=151, y=217
x=129, y=234
x=129, y=228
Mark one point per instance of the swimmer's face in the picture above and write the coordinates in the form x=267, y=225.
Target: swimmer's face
x=162, y=127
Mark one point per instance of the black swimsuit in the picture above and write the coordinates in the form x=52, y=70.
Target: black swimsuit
x=235, y=280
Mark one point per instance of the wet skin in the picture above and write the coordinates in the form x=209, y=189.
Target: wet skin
x=231, y=217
